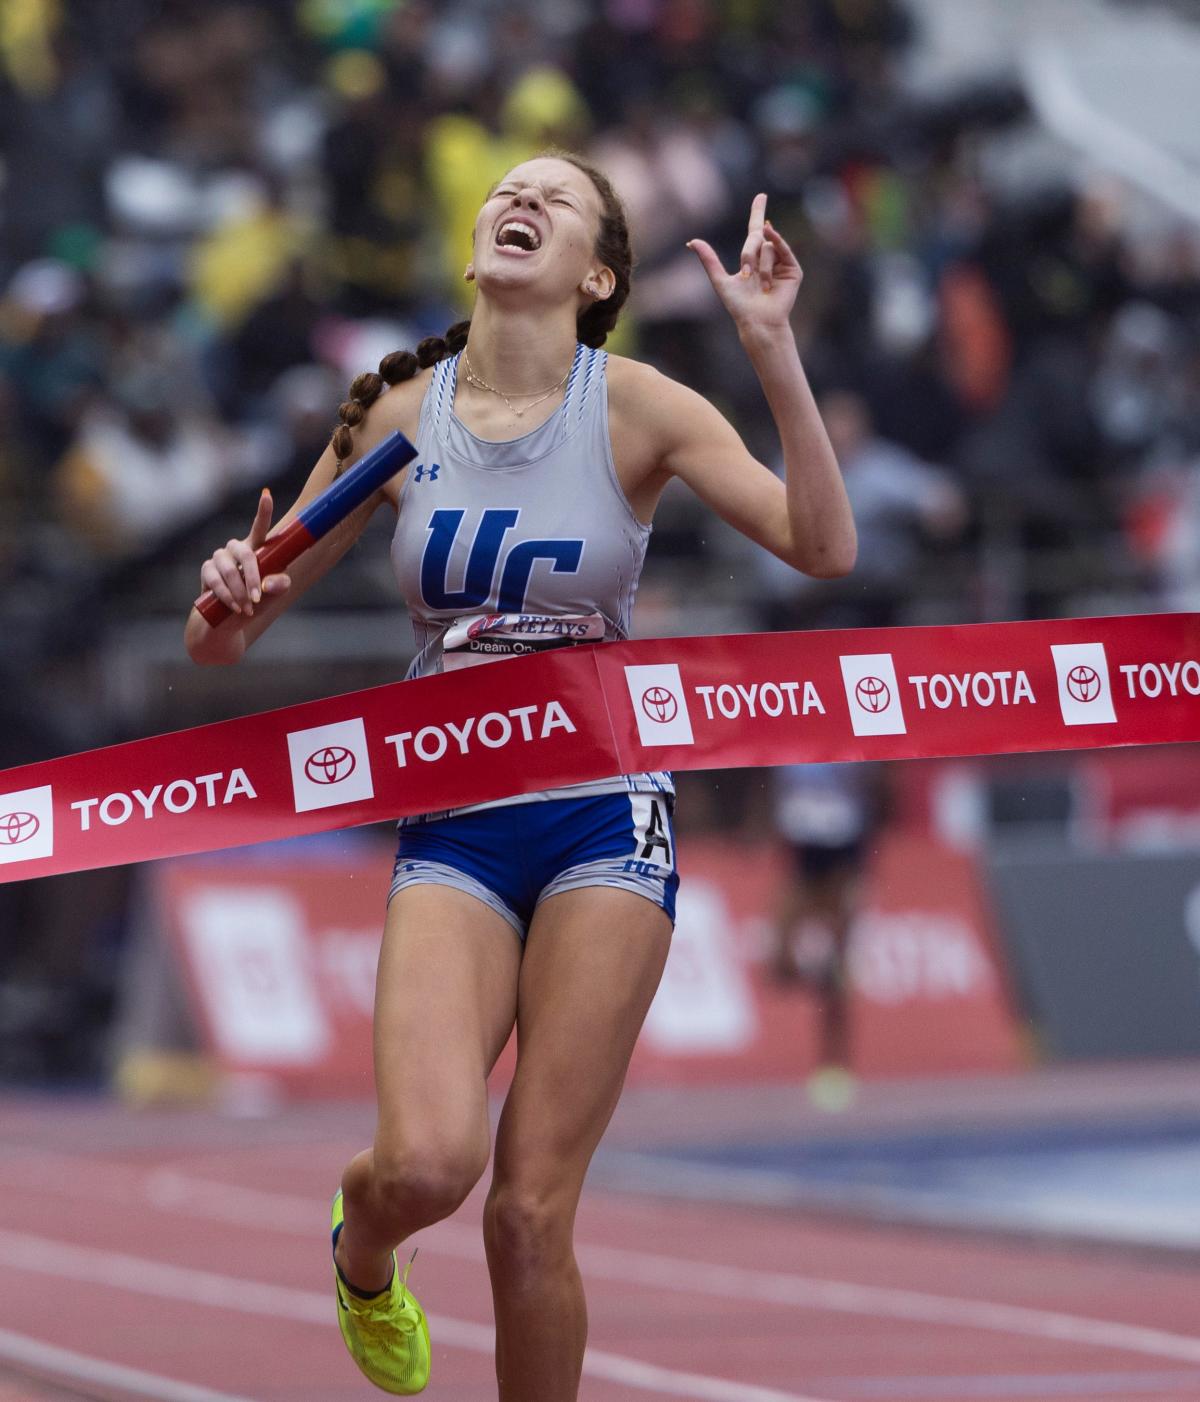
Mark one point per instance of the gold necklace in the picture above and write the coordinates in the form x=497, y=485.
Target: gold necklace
x=473, y=378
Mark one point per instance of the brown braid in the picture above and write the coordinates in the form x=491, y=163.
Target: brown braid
x=592, y=325
x=394, y=368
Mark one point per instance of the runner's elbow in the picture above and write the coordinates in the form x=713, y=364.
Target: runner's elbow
x=212, y=647
x=829, y=562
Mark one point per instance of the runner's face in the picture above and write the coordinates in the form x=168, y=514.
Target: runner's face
x=538, y=229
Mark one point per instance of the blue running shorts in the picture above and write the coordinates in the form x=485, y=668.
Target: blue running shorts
x=514, y=856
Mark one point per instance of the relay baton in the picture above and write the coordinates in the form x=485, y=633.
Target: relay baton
x=321, y=514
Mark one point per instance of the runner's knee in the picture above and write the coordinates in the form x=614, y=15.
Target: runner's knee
x=425, y=1183
x=526, y=1229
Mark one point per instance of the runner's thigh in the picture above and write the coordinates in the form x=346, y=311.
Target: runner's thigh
x=445, y=1002
x=593, y=960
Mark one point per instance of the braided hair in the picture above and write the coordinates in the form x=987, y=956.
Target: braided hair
x=592, y=325
x=394, y=368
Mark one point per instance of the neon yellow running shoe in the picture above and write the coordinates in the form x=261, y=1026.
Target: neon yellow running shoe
x=387, y=1335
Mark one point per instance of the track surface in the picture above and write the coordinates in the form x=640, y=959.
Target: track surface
x=184, y=1257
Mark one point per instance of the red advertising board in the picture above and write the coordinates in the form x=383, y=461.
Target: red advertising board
x=279, y=957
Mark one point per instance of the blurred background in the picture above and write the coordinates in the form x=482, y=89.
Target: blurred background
x=213, y=215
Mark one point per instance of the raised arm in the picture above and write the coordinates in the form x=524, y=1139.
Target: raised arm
x=805, y=520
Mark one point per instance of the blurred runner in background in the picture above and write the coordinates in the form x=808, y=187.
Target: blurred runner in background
x=827, y=814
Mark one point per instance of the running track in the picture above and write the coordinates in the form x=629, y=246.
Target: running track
x=183, y=1257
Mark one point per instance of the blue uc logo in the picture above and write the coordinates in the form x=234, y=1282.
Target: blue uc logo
x=486, y=556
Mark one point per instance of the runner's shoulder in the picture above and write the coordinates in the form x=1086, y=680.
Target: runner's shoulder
x=644, y=396
x=399, y=406
x=629, y=378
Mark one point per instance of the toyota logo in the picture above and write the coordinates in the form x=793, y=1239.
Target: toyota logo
x=330, y=765
x=873, y=694
x=17, y=827
x=1083, y=683
x=660, y=704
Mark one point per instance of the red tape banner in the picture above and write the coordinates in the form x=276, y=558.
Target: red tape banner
x=589, y=712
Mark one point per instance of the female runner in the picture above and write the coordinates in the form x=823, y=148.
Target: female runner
x=540, y=462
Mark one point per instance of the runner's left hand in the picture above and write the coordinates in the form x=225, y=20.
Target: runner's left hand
x=761, y=294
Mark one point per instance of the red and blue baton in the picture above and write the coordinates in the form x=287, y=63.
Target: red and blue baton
x=321, y=514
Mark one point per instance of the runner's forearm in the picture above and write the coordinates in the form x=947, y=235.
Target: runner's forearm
x=818, y=508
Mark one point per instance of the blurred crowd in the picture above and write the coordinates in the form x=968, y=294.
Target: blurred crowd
x=213, y=213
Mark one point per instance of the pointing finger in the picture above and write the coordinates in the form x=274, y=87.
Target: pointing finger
x=754, y=235
x=262, y=518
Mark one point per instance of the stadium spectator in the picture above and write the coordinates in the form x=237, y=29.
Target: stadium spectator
x=897, y=501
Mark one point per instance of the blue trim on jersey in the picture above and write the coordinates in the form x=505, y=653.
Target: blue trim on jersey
x=576, y=361
x=512, y=857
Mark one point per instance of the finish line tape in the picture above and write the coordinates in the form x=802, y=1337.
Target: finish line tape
x=584, y=713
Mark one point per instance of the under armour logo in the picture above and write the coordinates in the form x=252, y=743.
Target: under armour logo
x=431, y=471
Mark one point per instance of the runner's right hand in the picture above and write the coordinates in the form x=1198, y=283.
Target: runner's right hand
x=232, y=571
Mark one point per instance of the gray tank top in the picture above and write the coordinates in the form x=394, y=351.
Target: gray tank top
x=536, y=524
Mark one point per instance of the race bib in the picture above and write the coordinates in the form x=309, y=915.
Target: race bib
x=492, y=637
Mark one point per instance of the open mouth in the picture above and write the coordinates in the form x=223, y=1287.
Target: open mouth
x=519, y=237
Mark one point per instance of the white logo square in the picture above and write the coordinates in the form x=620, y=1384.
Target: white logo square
x=330, y=765
x=27, y=824
x=659, y=704
x=1084, y=691
x=873, y=694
